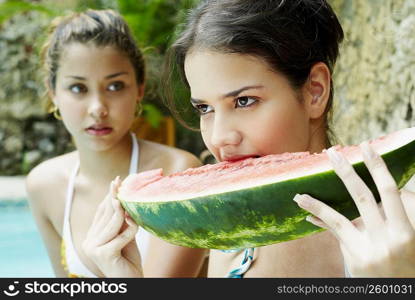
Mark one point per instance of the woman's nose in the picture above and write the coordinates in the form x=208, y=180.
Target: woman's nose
x=225, y=132
x=97, y=108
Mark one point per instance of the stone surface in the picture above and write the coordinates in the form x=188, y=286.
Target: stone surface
x=12, y=188
x=374, y=79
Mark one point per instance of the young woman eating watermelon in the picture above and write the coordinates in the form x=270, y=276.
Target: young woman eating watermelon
x=260, y=76
x=95, y=78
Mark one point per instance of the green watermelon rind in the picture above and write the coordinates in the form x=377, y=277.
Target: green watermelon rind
x=260, y=215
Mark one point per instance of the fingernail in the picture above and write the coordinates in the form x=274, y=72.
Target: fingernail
x=130, y=221
x=112, y=189
x=303, y=200
x=309, y=219
x=335, y=157
x=312, y=219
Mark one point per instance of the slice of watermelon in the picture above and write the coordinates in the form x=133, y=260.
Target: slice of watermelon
x=248, y=203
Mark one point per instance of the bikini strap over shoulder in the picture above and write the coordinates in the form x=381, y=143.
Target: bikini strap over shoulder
x=245, y=264
x=134, y=155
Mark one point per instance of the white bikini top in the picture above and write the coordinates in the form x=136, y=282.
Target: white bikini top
x=75, y=266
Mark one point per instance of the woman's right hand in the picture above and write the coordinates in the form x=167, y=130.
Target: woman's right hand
x=110, y=241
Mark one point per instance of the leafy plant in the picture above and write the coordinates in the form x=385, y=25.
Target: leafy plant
x=9, y=8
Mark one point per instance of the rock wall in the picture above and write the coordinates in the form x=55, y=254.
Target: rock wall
x=375, y=75
x=28, y=135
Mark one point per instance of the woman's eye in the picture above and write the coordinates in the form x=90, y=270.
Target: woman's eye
x=244, y=101
x=78, y=88
x=116, y=86
x=203, y=108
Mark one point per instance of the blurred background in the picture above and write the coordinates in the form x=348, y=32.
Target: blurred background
x=374, y=83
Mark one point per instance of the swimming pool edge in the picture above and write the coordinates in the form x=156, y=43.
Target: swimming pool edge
x=13, y=190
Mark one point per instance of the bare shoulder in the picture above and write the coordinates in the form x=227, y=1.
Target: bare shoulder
x=170, y=159
x=46, y=179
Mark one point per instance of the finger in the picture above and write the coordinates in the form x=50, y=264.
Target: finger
x=125, y=237
x=98, y=222
x=316, y=221
x=120, y=210
x=116, y=205
x=106, y=216
x=128, y=221
x=132, y=253
x=112, y=228
x=344, y=230
x=108, y=206
x=388, y=190
x=361, y=194
x=115, y=202
x=101, y=207
x=408, y=199
x=105, y=210
x=115, y=186
x=118, y=182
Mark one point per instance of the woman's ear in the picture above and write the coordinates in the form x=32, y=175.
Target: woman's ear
x=316, y=91
x=50, y=93
x=140, y=93
x=52, y=100
x=51, y=96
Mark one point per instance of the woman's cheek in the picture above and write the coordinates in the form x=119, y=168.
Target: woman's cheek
x=206, y=130
x=73, y=113
x=272, y=134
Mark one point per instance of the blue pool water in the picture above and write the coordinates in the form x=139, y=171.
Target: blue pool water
x=22, y=253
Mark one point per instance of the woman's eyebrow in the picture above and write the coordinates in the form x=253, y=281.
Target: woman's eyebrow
x=238, y=91
x=76, y=77
x=116, y=74
x=196, y=101
x=106, y=77
x=231, y=94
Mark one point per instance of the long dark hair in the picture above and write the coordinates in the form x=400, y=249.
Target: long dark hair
x=290, y=35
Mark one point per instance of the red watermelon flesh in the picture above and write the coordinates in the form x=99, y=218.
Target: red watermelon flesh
x=228, y=176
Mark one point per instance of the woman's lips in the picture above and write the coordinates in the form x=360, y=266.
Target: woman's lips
x=98, y=131
x=239, y=157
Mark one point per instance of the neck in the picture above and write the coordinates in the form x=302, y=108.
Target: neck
x=104, y=166
x=318, y=138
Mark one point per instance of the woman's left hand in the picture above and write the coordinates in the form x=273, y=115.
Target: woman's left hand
x=381, y=243
x=110, y=241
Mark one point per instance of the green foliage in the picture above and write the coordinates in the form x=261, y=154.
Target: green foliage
x=153, y=21
x=21, y=87
x=95, y=4
x=153, y=24
x=10, y=8
x=153, y=115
